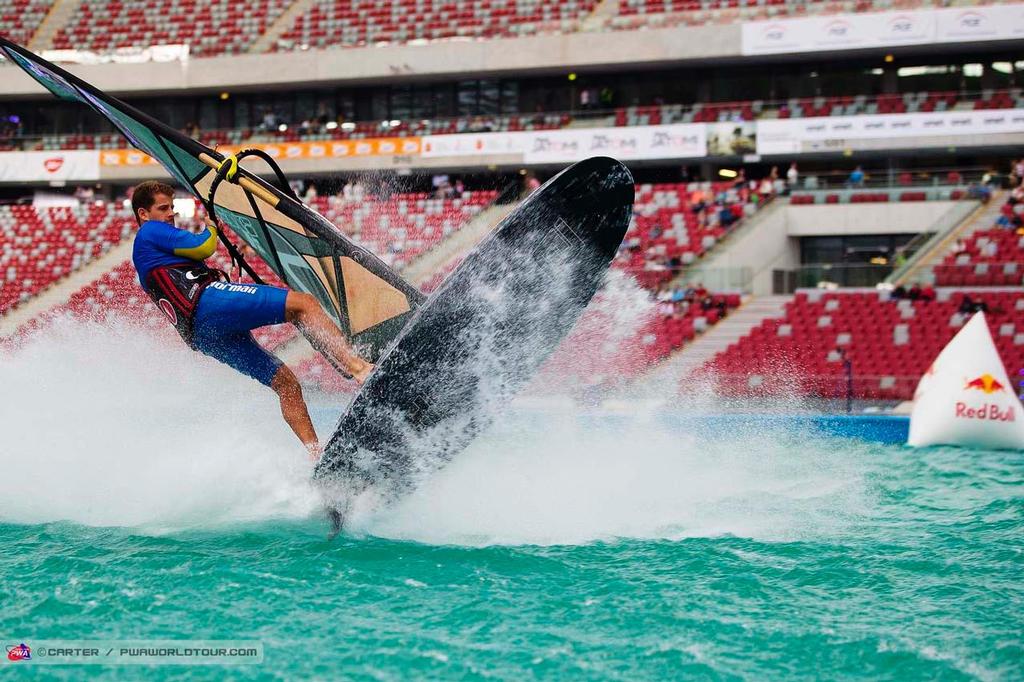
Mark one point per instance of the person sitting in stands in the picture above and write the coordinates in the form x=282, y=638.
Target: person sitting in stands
x=856, y=177
x=969, y=306
x=900, y=292
x=915, y=292
x=927, y=293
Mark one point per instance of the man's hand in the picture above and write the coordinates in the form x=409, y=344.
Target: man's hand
x=315, y=451
x=361, y=375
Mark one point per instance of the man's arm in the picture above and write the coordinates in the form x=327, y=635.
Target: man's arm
x=171, y=240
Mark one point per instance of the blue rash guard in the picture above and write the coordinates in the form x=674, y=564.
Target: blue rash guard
x=226, y=313
x=158, y=244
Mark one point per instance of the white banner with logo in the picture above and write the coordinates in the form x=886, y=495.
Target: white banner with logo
x=883, y=29
x=50, y=166
x=688, y=140
x=884, y=131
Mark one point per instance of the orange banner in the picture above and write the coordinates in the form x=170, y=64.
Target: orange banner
x=328, y=149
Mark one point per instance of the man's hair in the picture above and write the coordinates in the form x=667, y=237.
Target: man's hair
x=145, y=193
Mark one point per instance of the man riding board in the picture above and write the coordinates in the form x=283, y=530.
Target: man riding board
x=215, y=316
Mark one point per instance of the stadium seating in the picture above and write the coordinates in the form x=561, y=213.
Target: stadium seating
x=625, y=356
x=21, y=18
x=670, y=229
x=993, y=257
x=42, y=246
x=989, y=258
x=209, y=27
x=404, y=226
x=889, y=343
x=330, y=23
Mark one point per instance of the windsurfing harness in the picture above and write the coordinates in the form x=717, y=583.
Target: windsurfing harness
x=176, y=289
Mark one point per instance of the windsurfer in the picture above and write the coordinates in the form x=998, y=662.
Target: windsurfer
x=215, y=316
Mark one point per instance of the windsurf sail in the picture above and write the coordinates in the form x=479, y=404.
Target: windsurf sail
x=368, y=301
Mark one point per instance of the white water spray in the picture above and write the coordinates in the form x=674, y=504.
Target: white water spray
x=110, y=425
x=105, y=425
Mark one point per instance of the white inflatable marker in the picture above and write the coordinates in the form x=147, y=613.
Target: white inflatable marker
x=966, y=398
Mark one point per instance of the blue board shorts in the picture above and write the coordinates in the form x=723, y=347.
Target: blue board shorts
x=224, y=319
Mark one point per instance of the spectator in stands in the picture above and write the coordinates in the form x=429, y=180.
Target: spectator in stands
x=900, y=258
x=778, y=184
x=898, y=293
x=979, y=191
x=969, y=306
x=532, y=184
x=269, y=122
x=698, y=201
x=856, y=178
x=1018, y=172
x=914, y=294
x=725, y=216
x=927, y=293
x=792, y=176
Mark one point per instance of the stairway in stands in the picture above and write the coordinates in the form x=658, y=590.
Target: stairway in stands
x=692, y=356
x=982, y=219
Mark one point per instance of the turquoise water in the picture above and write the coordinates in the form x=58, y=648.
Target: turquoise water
x=555, y=548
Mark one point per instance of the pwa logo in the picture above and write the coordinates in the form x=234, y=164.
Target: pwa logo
x=901, y=24
x=19, y=652
x=971, y=19
x=986, y=383
x=837, y=29
x=774, y=33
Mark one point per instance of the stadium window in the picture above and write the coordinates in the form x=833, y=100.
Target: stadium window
x=444, y=100
x=379, y=105
x=466, y=96
x=243, y=112
x=489, y=98
x=305, y=106
x=401, y=106
x=509, y=97
x=422, y=105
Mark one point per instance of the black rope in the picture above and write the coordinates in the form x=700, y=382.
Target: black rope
x=227, y=171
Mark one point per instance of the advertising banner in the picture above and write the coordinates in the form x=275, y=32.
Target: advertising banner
x=732, y=139
x=687, y=140
x=332, y=149
x=49, y=166
x=883, y=29
x=885, y=131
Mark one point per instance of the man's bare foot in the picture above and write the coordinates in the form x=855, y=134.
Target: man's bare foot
x=361, y=375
